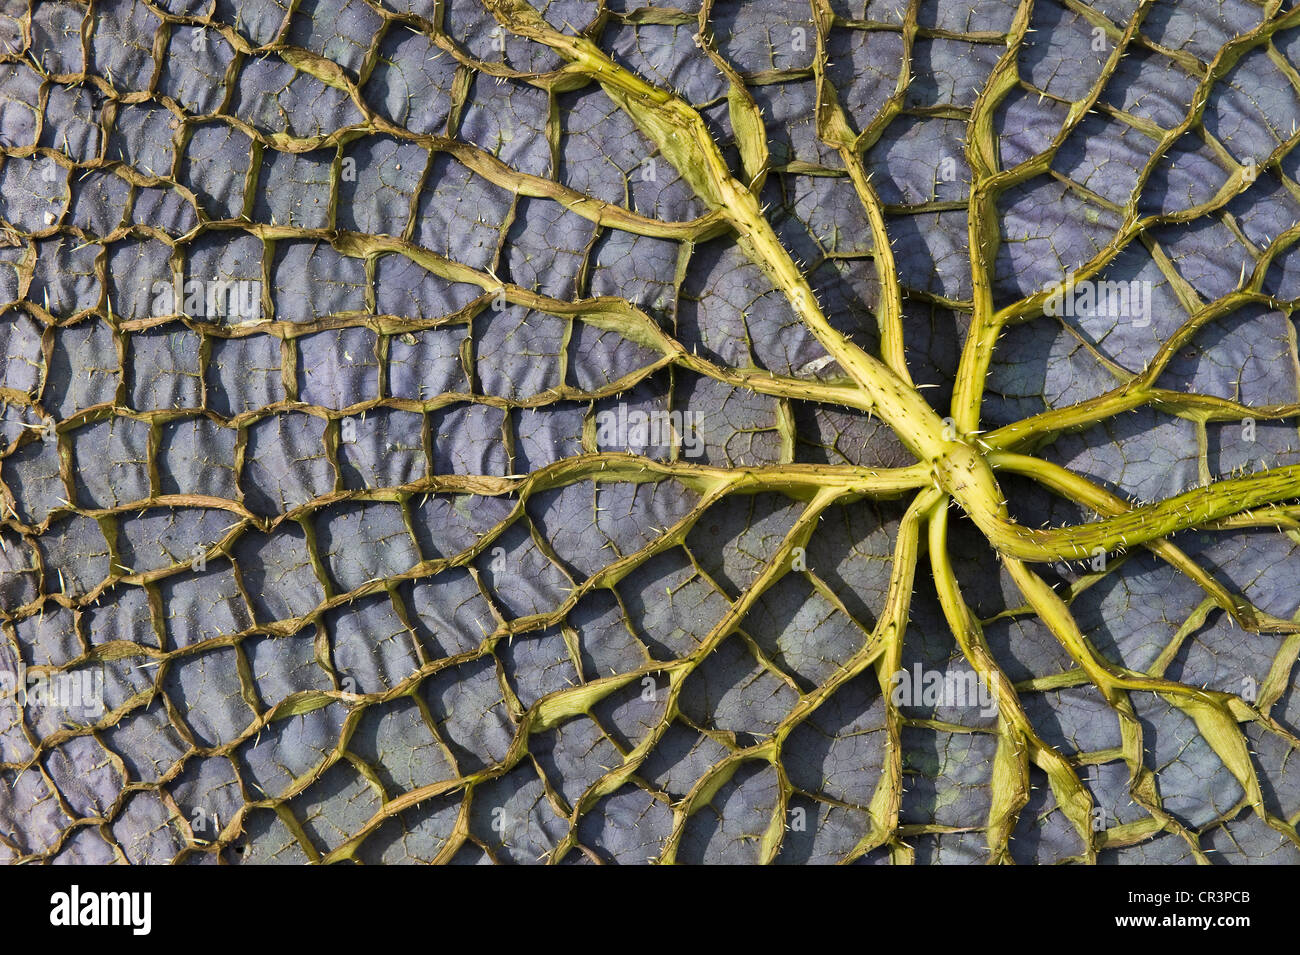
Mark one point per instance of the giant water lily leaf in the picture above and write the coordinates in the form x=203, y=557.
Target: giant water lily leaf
x=649, y=432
